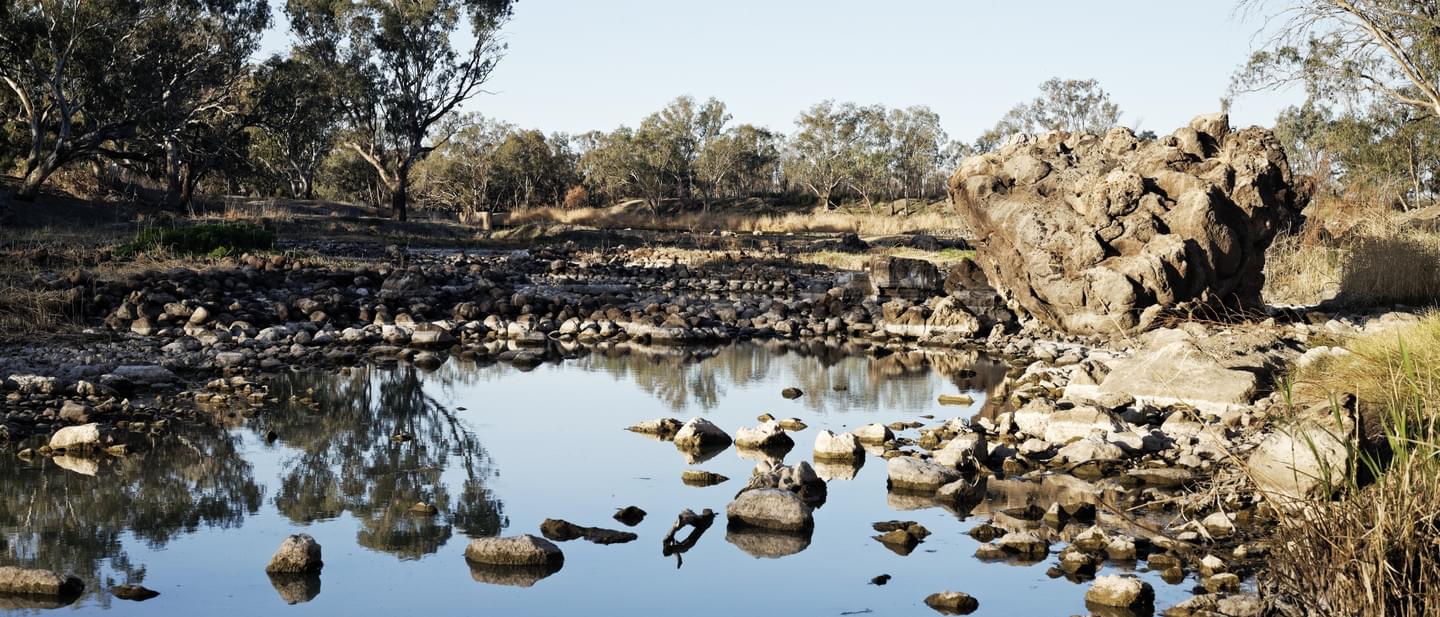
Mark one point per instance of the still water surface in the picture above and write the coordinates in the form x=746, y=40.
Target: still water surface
x=498, y=450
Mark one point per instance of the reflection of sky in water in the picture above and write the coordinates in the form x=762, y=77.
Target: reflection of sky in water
x=528, y=445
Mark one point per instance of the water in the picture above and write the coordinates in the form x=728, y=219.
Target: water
x=498, y=450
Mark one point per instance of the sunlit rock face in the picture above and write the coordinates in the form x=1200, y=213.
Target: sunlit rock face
x=1096, y=234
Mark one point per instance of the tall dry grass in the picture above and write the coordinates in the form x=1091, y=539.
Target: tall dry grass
x=1301, y=273
x=817, y=221
x=1400, y=268
x=1375, y=551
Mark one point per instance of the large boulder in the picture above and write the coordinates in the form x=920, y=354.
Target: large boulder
x=521, y=550
x=1173, y=367
x=699, y=433
x=770, y=508
x=1101, y=234
x=1120, y=592
x=910, y=473
x=842, y=447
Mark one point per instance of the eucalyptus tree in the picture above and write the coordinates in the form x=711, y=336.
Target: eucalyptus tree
x=297, y=119
x=1073, y=105
x=80, y=75
x=1350, y=49
x=822, y=149
x=917, y=144
x=404, y=67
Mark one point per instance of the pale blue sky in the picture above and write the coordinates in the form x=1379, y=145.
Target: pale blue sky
x=576, y=65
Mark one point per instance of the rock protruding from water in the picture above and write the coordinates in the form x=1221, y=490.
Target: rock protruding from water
x=1100, y=234
x=83, y=437
x=842, y=447
x=912, y=474
x=701, y=434
x=298, y=554
x=38, y=583
x=1120, y=592
x=770, y=508
x=952, y=603
x=561, y=530
x=521, y=550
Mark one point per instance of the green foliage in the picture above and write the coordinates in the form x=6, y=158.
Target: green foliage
x=213, y=239
x=489, y=166
x=1074, y=105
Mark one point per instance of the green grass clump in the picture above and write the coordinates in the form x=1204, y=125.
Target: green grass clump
x=1374, y=551
x=213, y=239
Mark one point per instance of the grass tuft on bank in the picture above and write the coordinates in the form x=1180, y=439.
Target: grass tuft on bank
x=1375, y=551
x=213, y=239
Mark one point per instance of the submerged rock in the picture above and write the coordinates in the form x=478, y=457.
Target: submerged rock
x=564, y=531
x=697, y=477
x=664, y=428
x=630, y=516
x=298, y=553
x=136, y=593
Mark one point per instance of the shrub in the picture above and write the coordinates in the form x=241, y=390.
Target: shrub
x=576, y=197
x=214, y=239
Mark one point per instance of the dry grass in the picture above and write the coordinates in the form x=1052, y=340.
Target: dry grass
x=1301, y=273
x=857, y=261
x=819, y=221
x=1400, y=268
x=1376, y=550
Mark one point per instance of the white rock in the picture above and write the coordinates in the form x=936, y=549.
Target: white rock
x=771, y=508
x=910, y=473
x=76, y=437
x=842, y=447
x=873, y=434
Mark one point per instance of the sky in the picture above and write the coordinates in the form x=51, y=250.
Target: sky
x=580, y=65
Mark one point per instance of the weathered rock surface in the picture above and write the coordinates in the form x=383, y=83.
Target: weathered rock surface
x=952, y=602
x=1295, y=462
x=770, y=508
x=1100, y=234
x=842, y=447
x=903, y=277
x=83, y=437
x=700, y=433
x=910, y=473
x=1120, y=592
x=31, y=582
x=766, y=436
x=521, y=550
x=299, y=553
x=1173, y=368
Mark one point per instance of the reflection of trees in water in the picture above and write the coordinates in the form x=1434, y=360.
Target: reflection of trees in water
x=69, y=522
x=686, y=377
x=348, y=461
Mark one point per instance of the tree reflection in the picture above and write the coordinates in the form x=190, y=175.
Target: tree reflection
x=372, y=443
x=57, y=519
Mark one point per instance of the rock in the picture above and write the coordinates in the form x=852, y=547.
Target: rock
x=564, y=531
x=910, y=473
x=144, y=374
x=32, y=582
x=1221, y=582
x=299, y=553
x=1094, y=234
x=1294, y=463
x=956, y=399
x=402, y=285
x=874, y=434
x=1092, y=449
x=701, y=434
x=1025, y=544
x=424, y=509
x=136, y=593
x=1120, y=592
x=1219, y=524
x=697, y=477
x=903, y=277
x=963, y=491
x=664, y=428
x=1218, y=605
x=630, y=516
x=952, y=603
x=842, y=447
x=799, y=478
x=767, y=436
x=521, y=550
x=83, y=437
x=770, y=508
x=77, y=412
x=962, y=450
x=791, y=393
x=1173, y=369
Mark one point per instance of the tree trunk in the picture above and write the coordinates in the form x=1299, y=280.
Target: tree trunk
x=34, y=179
x=307, y=184
x=399, y=195
x=173, y=181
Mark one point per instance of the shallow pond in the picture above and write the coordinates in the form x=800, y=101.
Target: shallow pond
x=498, y=450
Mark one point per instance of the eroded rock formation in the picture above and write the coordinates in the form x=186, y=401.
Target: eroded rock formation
x=1102, y=234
